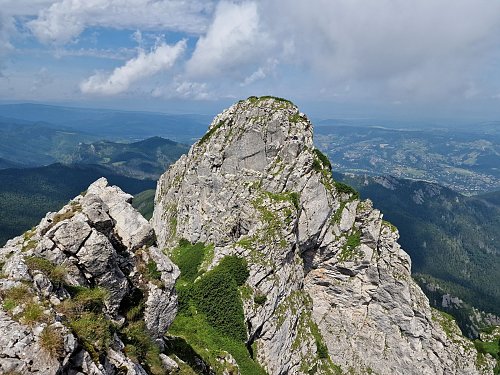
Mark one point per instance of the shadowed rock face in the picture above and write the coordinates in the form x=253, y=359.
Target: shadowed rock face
x=339, y=295
x=99, y=242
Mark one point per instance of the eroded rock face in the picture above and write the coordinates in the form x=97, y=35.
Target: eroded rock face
x=97, y=244
x=338, y=292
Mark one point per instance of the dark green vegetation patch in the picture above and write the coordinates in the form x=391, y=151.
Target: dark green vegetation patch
x=322, y=158
x=144, y=203
x=210, y=308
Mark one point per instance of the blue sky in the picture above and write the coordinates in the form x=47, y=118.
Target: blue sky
x=335, y=58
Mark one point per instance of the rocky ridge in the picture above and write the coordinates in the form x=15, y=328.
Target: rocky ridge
x=278, y=269
x=86, y=291
x=338, y=295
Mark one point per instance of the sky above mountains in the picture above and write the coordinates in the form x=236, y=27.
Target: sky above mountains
x=428, y=58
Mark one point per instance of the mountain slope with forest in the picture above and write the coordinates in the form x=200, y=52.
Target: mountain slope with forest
x=143, y=159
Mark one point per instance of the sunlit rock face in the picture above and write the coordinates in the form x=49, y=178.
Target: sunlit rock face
x=338, y=292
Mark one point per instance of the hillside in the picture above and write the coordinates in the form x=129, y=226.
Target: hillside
x=493, y=198
x=450, y=237
x=4, y=163
x=144, y=203
x=144, y=159
x=27, y=194
x=464, y=160
x=37, y=143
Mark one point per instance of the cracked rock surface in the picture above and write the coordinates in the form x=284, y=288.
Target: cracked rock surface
x=338, y=295
x=99, y=244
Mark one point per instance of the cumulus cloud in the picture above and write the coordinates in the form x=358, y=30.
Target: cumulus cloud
x=261, y=73
x=395, y=50
x=66, y=19
x=143, y=66
x=234, y=39
x=429, y=48
x=424, y=47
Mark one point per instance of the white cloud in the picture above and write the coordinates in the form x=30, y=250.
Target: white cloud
x=427, y=49
x=388, y=43
x=42, y=78
x=66, y=19
x=123, y=54
x=192, y=90
x=234, y=40
x=261, y=73
x=143, y=66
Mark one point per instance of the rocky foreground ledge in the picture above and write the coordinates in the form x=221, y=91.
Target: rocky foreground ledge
x=259, y=263
x=86, y=291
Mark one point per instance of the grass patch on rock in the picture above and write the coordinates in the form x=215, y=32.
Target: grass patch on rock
x=55, y=273
x=52, y=341
x=211, y=318
x=94, y=331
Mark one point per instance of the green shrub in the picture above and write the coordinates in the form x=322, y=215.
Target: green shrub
x=152, y=271
x=9, y=304
x=91, y=299
x=491, y=347
x=260, y=299
x=16, y=296
x=83, y=300
x=218, y=298
x=235, y=267
x=211, y=317
x=188, y=258
x=323, y=159
x=321, y=349
x=212, y=130
x=33, y=313
x=31, y=244
x=295, y=117
x=343, y=188
x=136, y=312
x=52, y=341
x=141, y=348
x=353, y=241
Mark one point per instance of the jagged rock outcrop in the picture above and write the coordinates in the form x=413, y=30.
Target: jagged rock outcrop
x=86, y=291
x=329, y=289
x=309, y=278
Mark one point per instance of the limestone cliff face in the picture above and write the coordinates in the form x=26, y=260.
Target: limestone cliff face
x=85, y=290
x=338, y=292
x=91, y=290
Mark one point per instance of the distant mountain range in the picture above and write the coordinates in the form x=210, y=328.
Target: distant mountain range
x=112, y=124
x=27, y=143
x=453, y=240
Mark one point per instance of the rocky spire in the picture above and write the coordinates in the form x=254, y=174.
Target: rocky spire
x=338, y=292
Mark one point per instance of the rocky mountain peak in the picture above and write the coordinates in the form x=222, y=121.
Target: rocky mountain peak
x=329, y=289
x=255, y=261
